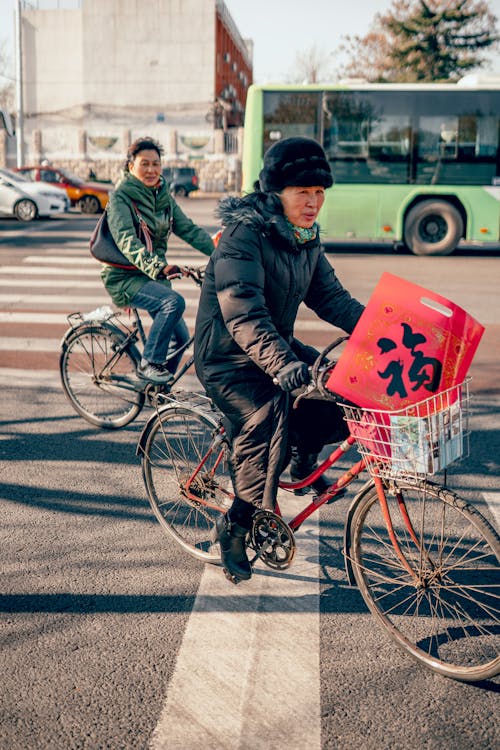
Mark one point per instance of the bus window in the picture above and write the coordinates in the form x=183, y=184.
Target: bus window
x=458, y=150
x=365, y=144
x=389, y=138
x=288, y=114
x=346, y=127
x=488, y=137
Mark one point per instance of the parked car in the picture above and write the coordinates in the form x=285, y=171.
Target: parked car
x=182, y=180
x=28, y=200
x=89, y=197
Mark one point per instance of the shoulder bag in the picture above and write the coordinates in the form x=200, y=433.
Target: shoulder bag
x=104, y=249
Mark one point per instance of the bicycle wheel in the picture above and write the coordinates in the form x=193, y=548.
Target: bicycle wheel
x=185, y=470
x=98, y=379
x=446, y=615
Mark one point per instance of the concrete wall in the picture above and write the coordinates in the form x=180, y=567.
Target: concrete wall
x=53, y=69
x=120, y=53
x=217, y=172
x=138, y=53
x=99, y=76
x=147, y=67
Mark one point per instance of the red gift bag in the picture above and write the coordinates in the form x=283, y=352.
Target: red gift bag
x=408, y=345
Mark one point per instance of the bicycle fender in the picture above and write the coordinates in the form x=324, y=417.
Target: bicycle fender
x=347, y=530
x=90, y=326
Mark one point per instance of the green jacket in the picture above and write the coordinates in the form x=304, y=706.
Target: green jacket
x=162, y=215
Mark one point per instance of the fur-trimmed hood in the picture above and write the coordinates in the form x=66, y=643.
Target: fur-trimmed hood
x=262, y=212
x=255, y=282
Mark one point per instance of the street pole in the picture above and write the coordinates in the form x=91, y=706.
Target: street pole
x=19, y=89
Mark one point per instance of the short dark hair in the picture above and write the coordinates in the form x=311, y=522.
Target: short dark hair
x=142, y=144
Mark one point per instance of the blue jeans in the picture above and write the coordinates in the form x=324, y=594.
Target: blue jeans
x=166, y=308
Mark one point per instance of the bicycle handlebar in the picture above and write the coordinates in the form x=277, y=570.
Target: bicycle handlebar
x=318, y=371
x=196, y=274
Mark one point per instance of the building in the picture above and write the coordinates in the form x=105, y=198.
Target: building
x=100, y=73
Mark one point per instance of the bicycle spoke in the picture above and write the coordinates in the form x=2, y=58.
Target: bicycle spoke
x=186, y=481
x=97, y=375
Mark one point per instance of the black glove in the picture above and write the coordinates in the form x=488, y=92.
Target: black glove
x=293, y=375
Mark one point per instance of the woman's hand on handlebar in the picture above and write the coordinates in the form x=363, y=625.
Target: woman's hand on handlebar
x=177, y=272
x=196, y=274
x=172, y=272
x=292, y=376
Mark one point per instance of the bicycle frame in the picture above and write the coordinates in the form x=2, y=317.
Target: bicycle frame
x=334, y=490
x=425, y=560
x=134, y=332
x=139, y=328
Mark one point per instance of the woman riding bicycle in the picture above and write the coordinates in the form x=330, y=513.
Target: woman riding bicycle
x=267, y=262
x=148, y=286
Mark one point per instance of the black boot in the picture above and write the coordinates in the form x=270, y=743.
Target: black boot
x=303, y=464
x=231, y=537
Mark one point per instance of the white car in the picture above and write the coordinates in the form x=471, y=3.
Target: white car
x=28, y=200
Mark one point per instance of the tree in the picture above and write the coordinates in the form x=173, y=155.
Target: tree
x=423, y=40
x=311, y=66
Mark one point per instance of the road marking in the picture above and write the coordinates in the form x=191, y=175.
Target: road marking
x=37, y=271
x=493, y=502
x=63, y=260
x=22, y=378
x=68, y=300
x=247, y=673
x=11, y=343
x=54, y=283
x=182, y=258
x=38, y=317
x=37, y=229
x=186, y=286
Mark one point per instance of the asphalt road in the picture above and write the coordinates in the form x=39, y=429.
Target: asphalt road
x=112, y=637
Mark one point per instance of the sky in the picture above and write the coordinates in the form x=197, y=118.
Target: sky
x=280, y=29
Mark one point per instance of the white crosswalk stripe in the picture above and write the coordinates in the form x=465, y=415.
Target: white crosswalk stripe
x=42, y=290
x=37, y=294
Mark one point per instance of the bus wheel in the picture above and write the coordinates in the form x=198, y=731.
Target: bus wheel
x=433, y=228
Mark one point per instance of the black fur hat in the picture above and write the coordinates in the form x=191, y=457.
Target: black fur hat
x=300, y=162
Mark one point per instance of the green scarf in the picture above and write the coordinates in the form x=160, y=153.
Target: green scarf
x=303, y=234
x=154, y=204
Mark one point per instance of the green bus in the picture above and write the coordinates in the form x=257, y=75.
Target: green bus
x=414, y=164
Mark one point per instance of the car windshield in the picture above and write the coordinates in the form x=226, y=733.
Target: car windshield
x=13, y=176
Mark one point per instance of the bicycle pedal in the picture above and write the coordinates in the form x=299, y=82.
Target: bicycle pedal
x=302, y=491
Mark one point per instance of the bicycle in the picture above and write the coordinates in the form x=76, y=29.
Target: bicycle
x=426, y=562
x=98, y=365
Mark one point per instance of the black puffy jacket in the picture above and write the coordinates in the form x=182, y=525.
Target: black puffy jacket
x=254, y=283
